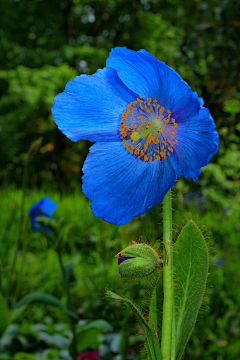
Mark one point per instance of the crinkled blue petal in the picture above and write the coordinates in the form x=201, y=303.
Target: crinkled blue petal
x=197, y=143
x=149, y=77
x=187, y=109
x=48, y=207
x=121, y=186
x=90, y=108
x=45, y=207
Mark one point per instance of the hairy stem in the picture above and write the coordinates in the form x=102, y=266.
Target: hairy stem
x=167, y=278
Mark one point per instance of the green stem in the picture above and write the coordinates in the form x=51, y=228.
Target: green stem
x=19, y=240
x=66, y=285
x=167, y=278
x=124, y=338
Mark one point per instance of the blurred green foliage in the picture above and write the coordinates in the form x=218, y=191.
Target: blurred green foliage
x=45, y=44
x=91, y=245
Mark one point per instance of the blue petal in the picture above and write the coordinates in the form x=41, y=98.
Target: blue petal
x=34, y=222
x=34, y=208
x=48, y=207
x=197, y=144
x=90, y=108
x=187, y=109
x=120, y=186
x=148, y=77
x=124, y=258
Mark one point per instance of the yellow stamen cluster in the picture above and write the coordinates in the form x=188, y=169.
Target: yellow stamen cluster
x=147, y=130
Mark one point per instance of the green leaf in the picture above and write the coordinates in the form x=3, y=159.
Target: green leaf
x=156, y=306
x=88, y=335
x=25, y=356
x=16, y=313
x=88, y=339
x=152, y=343
x=190, y=262
x=5, y=317
x=69, y=274
x=43, y=298
x=100, y=324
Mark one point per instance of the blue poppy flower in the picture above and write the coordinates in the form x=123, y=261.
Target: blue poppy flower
x=149, y=128
x=44, y=207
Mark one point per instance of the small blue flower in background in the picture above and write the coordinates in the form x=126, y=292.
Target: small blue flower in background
x=149, y=128
x=196, y=200
x=219, y=262
x=44, y=207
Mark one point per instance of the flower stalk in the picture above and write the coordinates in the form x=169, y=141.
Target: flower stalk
x=167, y=278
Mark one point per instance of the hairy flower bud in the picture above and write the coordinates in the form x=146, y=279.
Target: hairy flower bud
x=138, y=260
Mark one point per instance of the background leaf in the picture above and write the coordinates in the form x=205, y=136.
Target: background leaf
x=25, y=356
x=43, y=298
x=5, y=314
x=88, y=335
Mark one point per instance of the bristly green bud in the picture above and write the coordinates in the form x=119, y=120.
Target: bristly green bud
x=138, y=260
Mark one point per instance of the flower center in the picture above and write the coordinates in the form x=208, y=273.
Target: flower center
x=147, y=130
